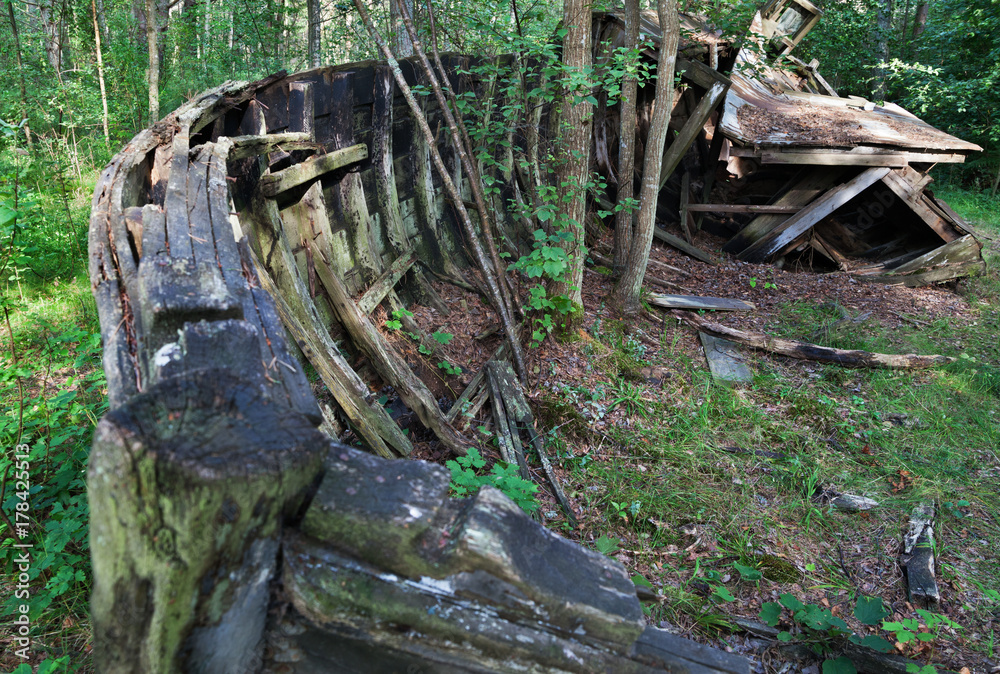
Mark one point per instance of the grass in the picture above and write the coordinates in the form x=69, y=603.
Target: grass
x=702, y=497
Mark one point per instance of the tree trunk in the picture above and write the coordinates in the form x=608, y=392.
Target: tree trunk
x=100, y=72
x=20, y=71
x=920, y=20
x=314, y=35
x=627, y=291
x=153, y=74
x=626, y=146
x=575, y=120
x=403, y=44
x=52, y=25
x=882, y=47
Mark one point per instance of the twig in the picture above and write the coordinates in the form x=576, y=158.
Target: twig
x=3, y=490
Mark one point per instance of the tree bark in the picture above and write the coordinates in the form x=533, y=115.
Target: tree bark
x=20, y=71
x=153, y=75
x=626, y=146
x=884, y=19
x=314, y=34
x=52, y=26
x=401, y=37
x=628, y=288
x=920, y=20
x=100, y=73
x=575, y=119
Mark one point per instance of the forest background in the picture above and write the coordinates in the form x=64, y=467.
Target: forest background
x=75, y=85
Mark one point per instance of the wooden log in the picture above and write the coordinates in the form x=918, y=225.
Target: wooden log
x=274, y=184
x=692, y=127
x=806, y=351
x=694, y=302
x=813, y=184
x=189, y=483
x=789, y=230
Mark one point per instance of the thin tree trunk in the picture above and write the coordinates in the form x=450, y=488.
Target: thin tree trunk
x=885, y=9
x=996, y=183
x=20, y=72
x=920, y=20
x=53, y=36
x=100, y=73
x=903, y=37
x=404, y=43
x=153, y=75
x=628, y=288
x=626, y=146
x=575, y=119
x=314, y=35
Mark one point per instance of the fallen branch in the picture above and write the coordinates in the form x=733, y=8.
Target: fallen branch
x=807, y=351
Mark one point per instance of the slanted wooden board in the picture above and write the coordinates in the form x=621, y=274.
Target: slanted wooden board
x=791, y=229
x=954, y=259
x=384, y=284
x=696, y=303
x=917, y=558
x=692, y=127
x=914, y=198
x=813, y=184
x=724, y=360
x=683, y=246
x=293, y=176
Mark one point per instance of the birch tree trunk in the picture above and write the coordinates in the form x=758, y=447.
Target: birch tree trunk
x=626, y=147
x=100, y=72
x=153, y=74
x=575, y=121
x=20, y=71
x=629, y=287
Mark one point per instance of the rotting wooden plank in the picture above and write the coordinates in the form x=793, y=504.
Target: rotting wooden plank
x=917, y=557
x=385, y=283
x=505, y=415
x=833, y=158
x=475, y=384
x=371, y=422
x=199, y=217
x=701, y=74
x=912, y=198
x=805, y=351
x=830, y=251
x=175, y=201
x=724, y=360
x=692, y=127
x=957, y=258
x=244, y=147
x=789, y=230
x=742, y=208
x=391, y=366
x=683, y=246
x=813, y=184
x=274, y=184
x=685, y=198
x=698, y=303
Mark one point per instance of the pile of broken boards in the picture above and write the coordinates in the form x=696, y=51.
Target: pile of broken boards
x=790, y=173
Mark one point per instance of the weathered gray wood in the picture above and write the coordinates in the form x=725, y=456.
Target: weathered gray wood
x=244, y=147
x=917, y=557
x=741, y=208
x=385, y=283
x=693, y=302
x=274, y=184
x=724, y=360
x=175, y=202
x=692, y=127
x=914, y=199
x=789, y=230
x=828, y=157
x=502, y=392
x=685, y=198
x=954, y=259
x=660, y=648
x=683, y=246
x=813, y=184
x=700, y=74
x=184, y=522
x=806, y=351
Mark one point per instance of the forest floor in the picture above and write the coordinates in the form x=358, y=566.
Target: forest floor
x=718, y=497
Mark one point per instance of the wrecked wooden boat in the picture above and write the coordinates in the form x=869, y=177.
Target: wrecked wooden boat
x=257, y=228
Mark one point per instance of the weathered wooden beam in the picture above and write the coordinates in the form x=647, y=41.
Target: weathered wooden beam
x=789, y=230
x=724, y=360
x=685, y=199
x=244, y=147
x=683, y=246
x=741, y=208
x=701, y=74
x=698, y=303
x=274, y=184
x=806, y=351
x=914, y=199
x=385, y=283
x=185, y=518
x=917, y=557
x=813, y=184
x=954, y=259
x=692, y=127
x=833, y=158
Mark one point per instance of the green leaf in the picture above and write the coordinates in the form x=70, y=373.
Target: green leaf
x=904, y=636
x=638, y=579
x=872, y=641
x=748, y=572
x=785, y=636
x=841, y=665
x=870, y=610
x=606, y=545
x=770, y=613
x=722, y=594
x=790, y=602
